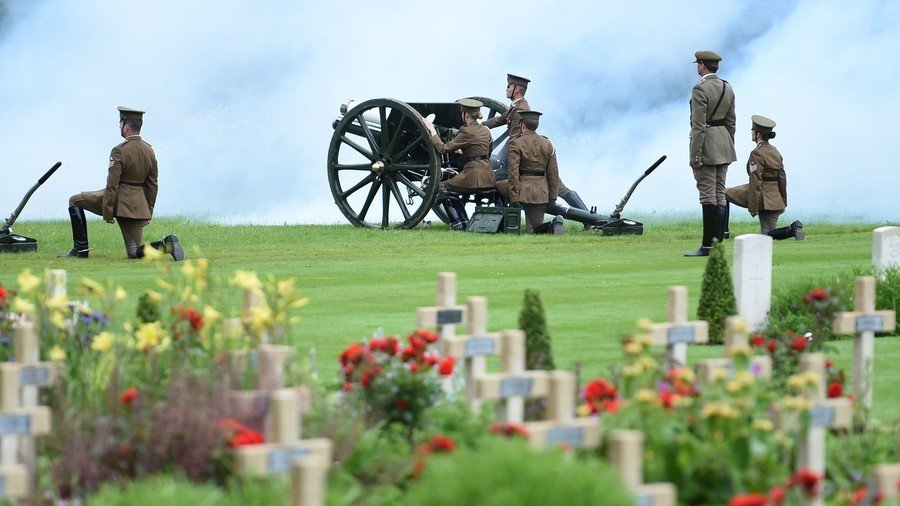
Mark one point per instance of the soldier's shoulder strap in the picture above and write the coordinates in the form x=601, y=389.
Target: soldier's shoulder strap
x=716, y=108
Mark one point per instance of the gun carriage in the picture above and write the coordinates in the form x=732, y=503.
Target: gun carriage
x=384, y=173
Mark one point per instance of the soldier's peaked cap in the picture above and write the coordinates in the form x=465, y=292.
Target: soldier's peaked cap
x=470, y=105
x=530, y=115
x=762, y=124
x=705, y=56
x=514, y=79
x=129, y=113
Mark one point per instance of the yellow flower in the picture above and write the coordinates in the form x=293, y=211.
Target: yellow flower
x=583, y=410
x=286, y=288
x=644, y=324
x=246, y=280
x=21, y=305
x=764, y=425
x=796, y=404
x=149, y=335
x=203, y=264
x=102, y=341
x=210, y=315
x=812, y=379
x=165, y=285
x=633, y=348
x=630, y=371
x=28, y=281
x=297, y=304
x=682, y=401
x=59, y=320
x=189, y=269
x=685, y=374
x=644, y=340
x=58, y=303
x=93, y=288
x=646, y=396
x=719, y=374
x=648, y=363
x=154, y=296
x=719, y=410
x=151, y=253
x=121, y=294
x=741, y=351
x=261, y=316
x=57, y=354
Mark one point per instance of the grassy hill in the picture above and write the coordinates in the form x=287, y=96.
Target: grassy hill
x=593, y=288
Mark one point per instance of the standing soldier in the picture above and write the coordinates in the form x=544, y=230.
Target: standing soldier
x=516, y=86
x=533, y=175
x=766, y=193
x=129, y=196
x=712, y=145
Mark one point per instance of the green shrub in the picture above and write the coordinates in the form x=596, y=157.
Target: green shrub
x=809, y=307
x=716, y=294
x=503, y=472
x=887, y=292
x=158, y=491
x=538, y=348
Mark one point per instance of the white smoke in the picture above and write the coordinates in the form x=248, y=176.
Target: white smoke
x=241, y=95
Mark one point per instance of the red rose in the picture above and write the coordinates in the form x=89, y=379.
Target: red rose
x=417, y=343
x=445, y=365
x=418, y=467
x=612, y=406
x=599, y=389
x=835, y=390
x=407, y=353
x=799, y=343
x=377, y=344
x=3, y=295
x=401, y=404
x=430, y=359
x=413, y=367
x=807, y=480
x=442, y=444
x=391, y=346
x=818, y=294
x=772, y=345
x=758, y=340
x=429, y=336
x=666, y=398
x=777, y=495
x=128, y=395
x=195, y=318
x=352, y=354
x=829, y=364
x=347, y=386
x=749, y=500
x=366, y=379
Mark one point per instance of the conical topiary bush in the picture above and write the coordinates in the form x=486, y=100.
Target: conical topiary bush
x=716, y=294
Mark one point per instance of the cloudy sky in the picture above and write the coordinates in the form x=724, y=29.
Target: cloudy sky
x=241, y=95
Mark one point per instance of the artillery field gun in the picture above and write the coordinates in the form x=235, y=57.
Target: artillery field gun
x=15, y=243
x=384, y=173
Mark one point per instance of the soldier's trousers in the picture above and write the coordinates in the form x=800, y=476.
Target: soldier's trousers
x=534, y=215
x=711, y=183
x=768, y=220
x=132, y=229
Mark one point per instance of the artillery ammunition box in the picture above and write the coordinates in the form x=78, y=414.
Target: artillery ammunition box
x=491, y=220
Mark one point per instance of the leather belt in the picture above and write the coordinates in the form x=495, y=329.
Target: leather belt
x=129, y=183
x=532, y=173
x=715, y=122
x=476, y=158
x=770, y=179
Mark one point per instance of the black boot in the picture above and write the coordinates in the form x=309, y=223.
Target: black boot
x=574, y=200
x=710, y=218
x=795, y=231
x=555, y=226
x=169, y=245
x=79, y=234
x=726, y=233
x=458, y=219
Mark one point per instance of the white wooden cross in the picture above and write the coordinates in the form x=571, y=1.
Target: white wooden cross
x=626, y=455
x=562, y=427
x=736, y=339
x=514, y=384
x=474, y=347
x=677, y=332
x=863, y=323
x=886, y=478
x=16, y=421
x=445, y=315
x=284, y=445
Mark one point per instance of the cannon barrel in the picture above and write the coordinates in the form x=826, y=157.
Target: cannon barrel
x=7, y=227
x=579, y=215
x=617, y=213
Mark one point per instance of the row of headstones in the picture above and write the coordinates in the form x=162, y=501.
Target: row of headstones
x=510, y=387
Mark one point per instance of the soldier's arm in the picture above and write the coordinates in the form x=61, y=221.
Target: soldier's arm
x=514, y=158
x=699, y=103
x=462, y=138
x=152, y=185
x=496, y=121
x=111, y=193
x=755, y=167
x=782, y=186
x=730, y=119
x=553, y=175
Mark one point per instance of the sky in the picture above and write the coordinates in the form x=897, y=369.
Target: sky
x=240, y=96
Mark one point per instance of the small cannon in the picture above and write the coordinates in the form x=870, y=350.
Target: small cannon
x=15, y=243
x=382, y=170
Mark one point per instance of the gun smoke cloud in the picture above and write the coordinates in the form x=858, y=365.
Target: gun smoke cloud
x=240, y=96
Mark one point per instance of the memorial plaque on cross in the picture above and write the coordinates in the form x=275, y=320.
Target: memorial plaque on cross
x=736, y=342
x=17, y=421
x=514, y=384
x=626, y=455
x=561, y=426
x=677, y=332
x=862, y=323
x=445, y=315
x=752, y=277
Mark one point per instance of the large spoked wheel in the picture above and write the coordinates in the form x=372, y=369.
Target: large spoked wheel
x=382, y=169
x=494, y=108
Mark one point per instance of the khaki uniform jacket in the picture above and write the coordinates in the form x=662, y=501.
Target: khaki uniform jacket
x=712, y=145
x=767, y=189
x=511, y=119
x=131, y=184
x=473, y=140
x=532, y=152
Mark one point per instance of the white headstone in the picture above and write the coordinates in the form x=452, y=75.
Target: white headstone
x=885, y=248
x=752, y=278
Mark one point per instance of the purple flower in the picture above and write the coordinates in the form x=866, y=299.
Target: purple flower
x=755, y=369
x=662, y=386
x=4, y=341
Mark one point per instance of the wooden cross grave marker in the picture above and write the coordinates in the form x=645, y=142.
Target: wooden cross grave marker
x=736, y=340
x=562, y=427
x=514, y=384
x=474, y=347
x=445, y=315
x=886, y=480
x=862, y=323
x=677, y=332
x=626, y=455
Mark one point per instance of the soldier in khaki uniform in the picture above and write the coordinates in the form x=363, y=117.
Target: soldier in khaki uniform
x=129, y=196
x=516, y=86
x=766, y=193
x=712, y=145
x=474, y=142
x=533, y=175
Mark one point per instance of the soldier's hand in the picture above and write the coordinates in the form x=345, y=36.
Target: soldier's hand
x=696, y=165
x=551, y=203
x=516, y=204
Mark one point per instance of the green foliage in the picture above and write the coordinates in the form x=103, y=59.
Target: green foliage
x=809, y=306
x=887, y=292
x=503, y=472
x=716, y=294
x=850, y=454
x=532, y=320
x=148, y=308
x=160, y=490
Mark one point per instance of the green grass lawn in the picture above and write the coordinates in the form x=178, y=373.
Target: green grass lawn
x=593, y=288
